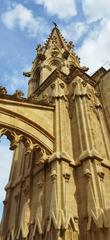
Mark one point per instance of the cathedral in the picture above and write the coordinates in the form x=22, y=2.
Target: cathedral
x=59, y=183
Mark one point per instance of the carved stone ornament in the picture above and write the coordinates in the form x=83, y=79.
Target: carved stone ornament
x=46, y=66
x=97, y=212
x=43, y=156
x=67, y=176
x=10, y=234
x=54, y=53
x=18, y=95
x=17, y=196
x=53, y=175
x=83, y=89
x=26, y=190
x=54, y=39
x=40, y=183
x=39, y=49
x=3, y=91
x=100, y=172
x=29, y=145
x=92, y=94
x=6, y=200
x=84, y=68
x=40, y=52
x=15, y=138
x=62, y=85
x=45, y=98
x=71, y=45
x=65, y=54
x=25, y=219
x=33, y=98
x=58, y=91
x=12, y=136
x=53, y=85
x=87, y=173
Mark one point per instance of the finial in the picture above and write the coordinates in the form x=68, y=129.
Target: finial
x=71, y=45
x=56, y=26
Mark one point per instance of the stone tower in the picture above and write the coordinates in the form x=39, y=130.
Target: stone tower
x=60, y=189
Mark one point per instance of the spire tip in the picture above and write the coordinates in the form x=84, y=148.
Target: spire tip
x=55, y=25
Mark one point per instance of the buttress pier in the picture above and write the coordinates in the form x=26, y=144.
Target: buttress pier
x=59, y=184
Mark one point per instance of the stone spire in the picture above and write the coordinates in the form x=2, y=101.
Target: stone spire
x=55, y=54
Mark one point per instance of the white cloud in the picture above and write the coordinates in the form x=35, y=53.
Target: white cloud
x=62, y=8
x=96, y=9
x=74, y=30
x=14, y=81
x=95, y=50
x=22, y=17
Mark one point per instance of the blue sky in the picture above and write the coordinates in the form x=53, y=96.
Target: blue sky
x=25, y=23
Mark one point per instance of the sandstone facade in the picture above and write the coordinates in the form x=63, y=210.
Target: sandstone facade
x=59, y=184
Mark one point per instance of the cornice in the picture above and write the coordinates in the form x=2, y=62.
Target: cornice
x=55, y=74
x=25, y=102
x=78, y=72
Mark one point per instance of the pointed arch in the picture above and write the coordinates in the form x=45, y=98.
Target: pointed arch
x=26, y=122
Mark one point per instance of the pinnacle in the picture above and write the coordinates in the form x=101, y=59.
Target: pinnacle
x=56, y=33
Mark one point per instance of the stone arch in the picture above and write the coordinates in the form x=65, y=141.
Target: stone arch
x=59, y=63
x=55, y=62
x=15, y=138
x=18, y=126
